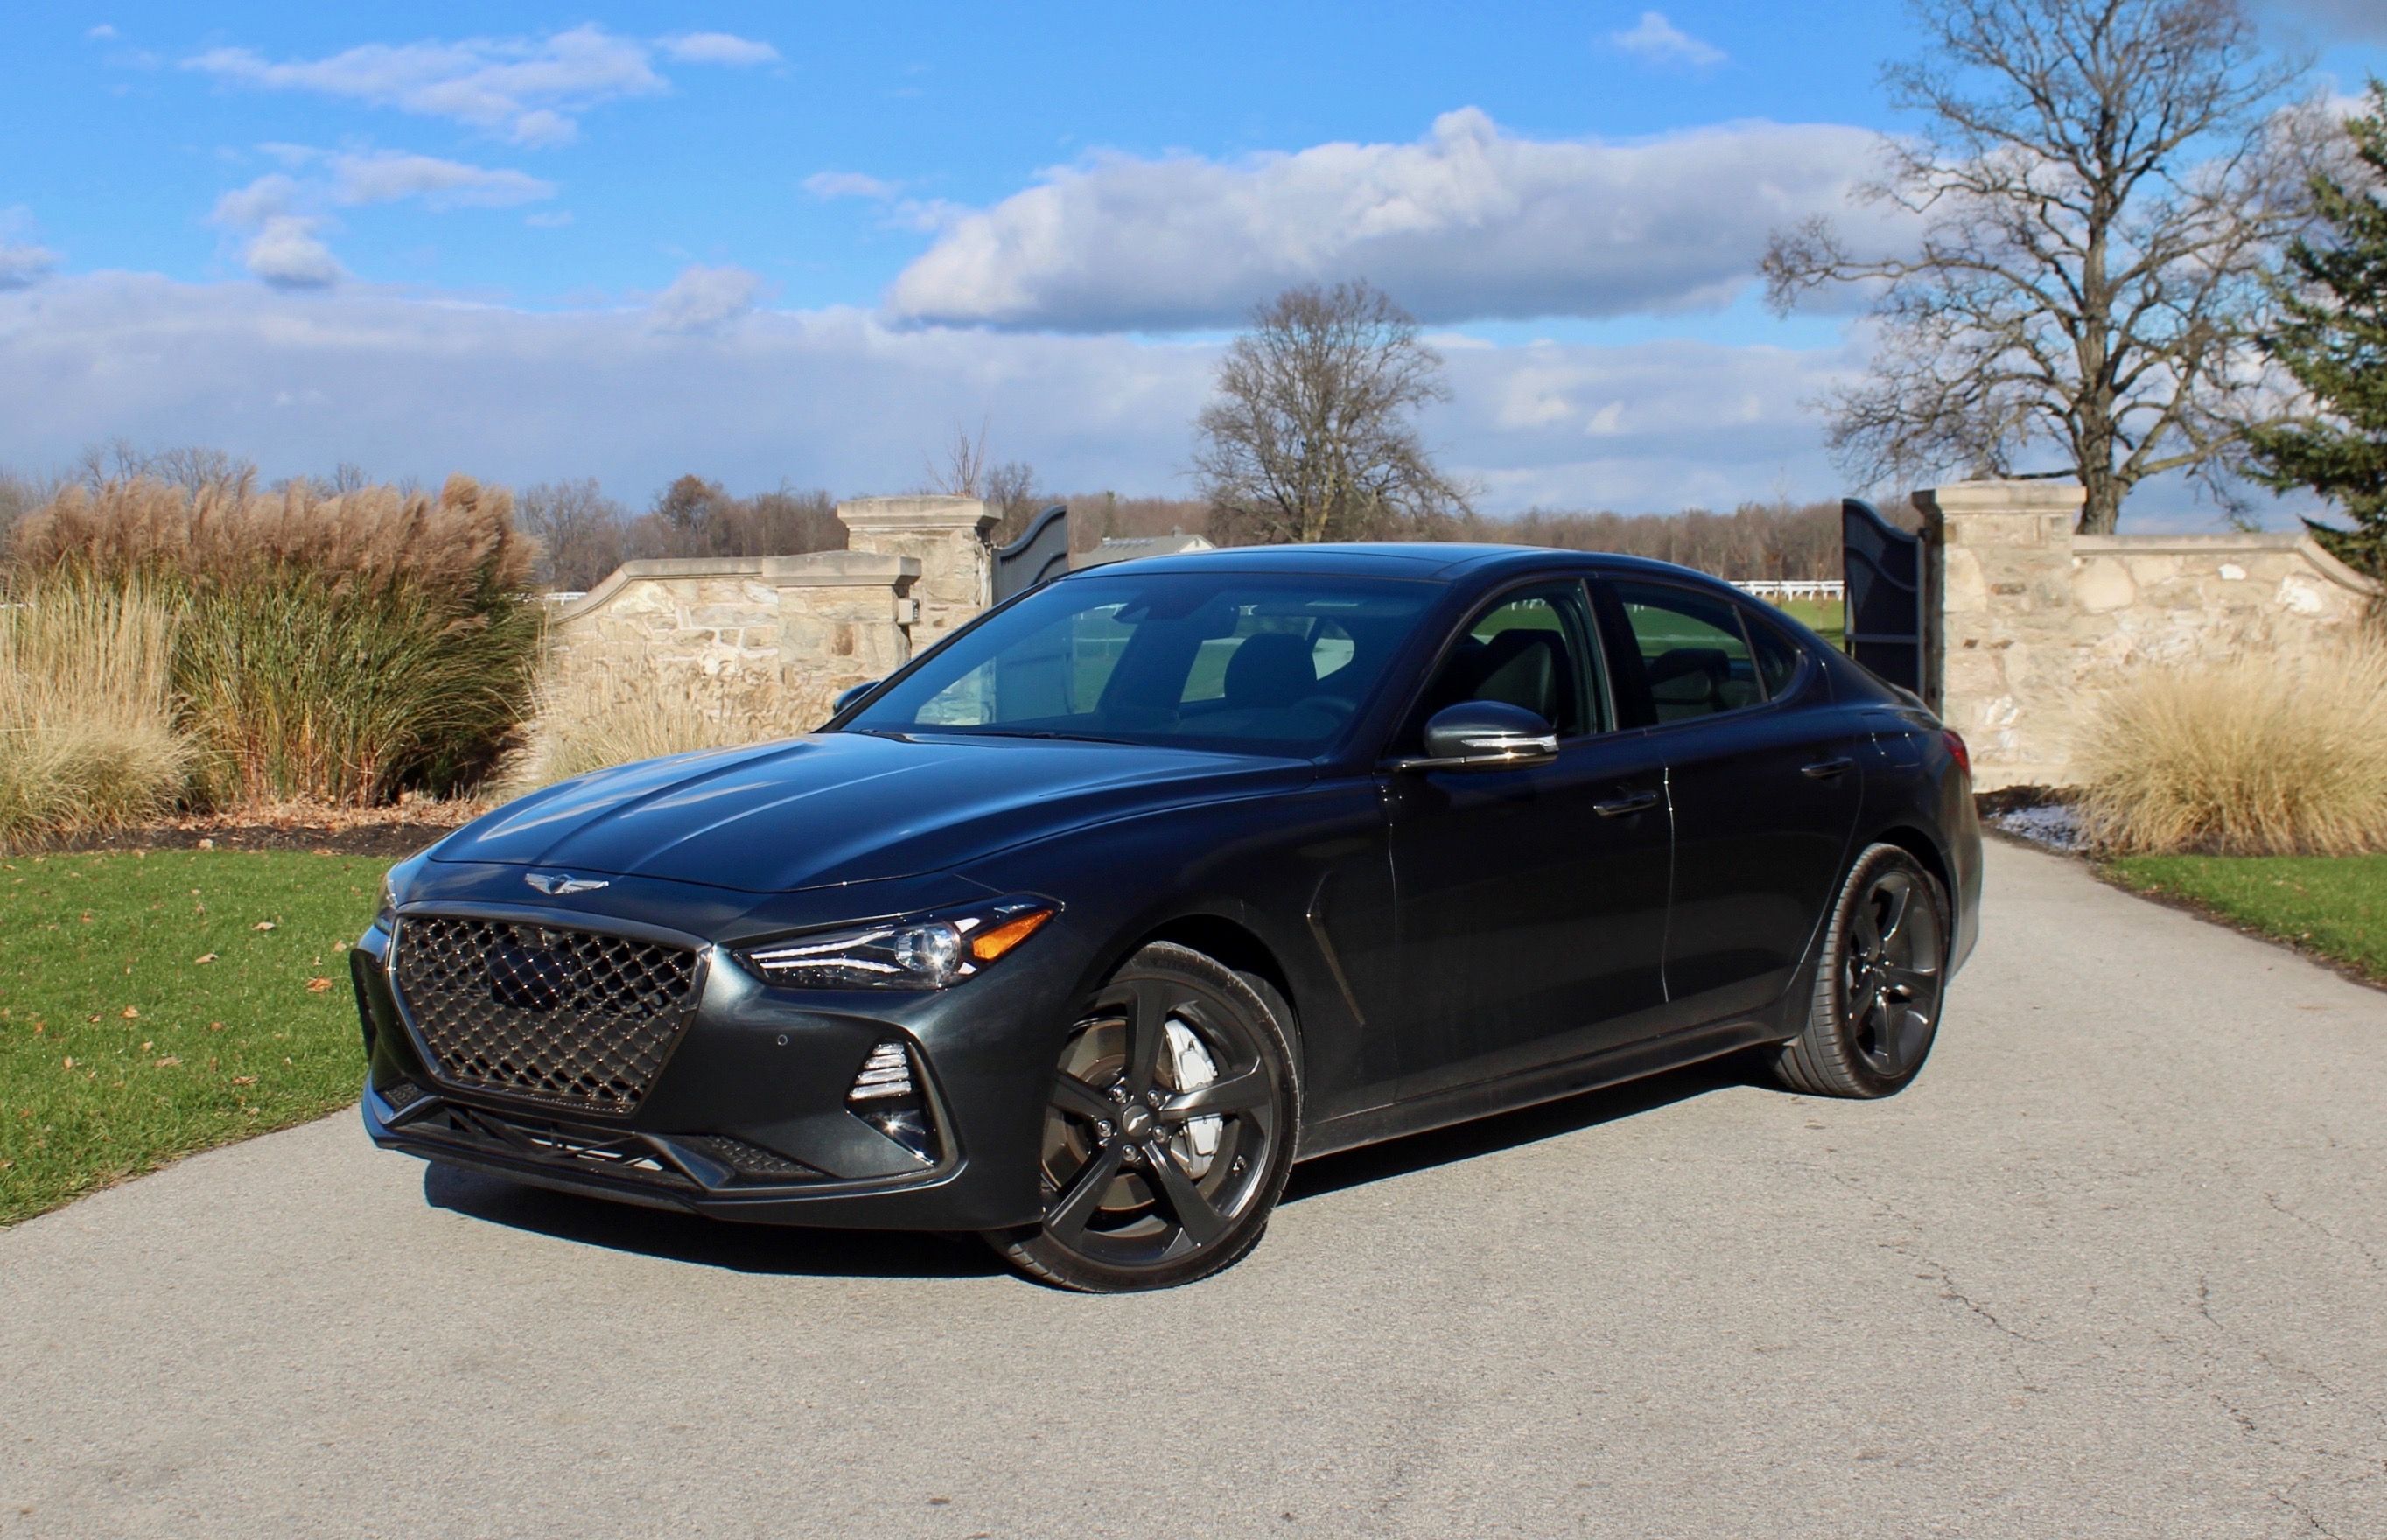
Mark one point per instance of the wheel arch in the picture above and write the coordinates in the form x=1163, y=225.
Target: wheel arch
x=1230, y=941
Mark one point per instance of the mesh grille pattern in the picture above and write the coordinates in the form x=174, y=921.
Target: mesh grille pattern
x=753, y=1160
x=562, y=1015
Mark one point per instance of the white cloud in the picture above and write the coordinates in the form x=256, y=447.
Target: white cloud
x=244, y=207
x=705, y=299
x=717, y=48
x=287, y=254
x=527, y=89
x=1469, y=223
x=24, y=260
x=835, y=398
x=389, y=176
x=852, y=185
x=1658, y=41
x=100, y=34
x=554, y=219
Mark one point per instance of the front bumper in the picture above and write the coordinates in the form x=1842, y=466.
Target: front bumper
x=747, y=1117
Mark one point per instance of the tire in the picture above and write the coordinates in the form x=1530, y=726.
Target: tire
x=1881, y=980
x=1161, y=1162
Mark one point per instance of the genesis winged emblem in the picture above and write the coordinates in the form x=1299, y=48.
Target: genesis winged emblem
x=556, y=884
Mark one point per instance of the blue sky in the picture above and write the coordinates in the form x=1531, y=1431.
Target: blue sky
x=770, y=243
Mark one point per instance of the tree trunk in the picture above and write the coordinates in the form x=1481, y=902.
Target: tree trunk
x=2103, y=509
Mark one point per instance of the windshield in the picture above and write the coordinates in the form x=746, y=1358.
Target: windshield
x=1235, y=661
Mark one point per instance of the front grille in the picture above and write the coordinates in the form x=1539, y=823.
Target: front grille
x=556, y=1014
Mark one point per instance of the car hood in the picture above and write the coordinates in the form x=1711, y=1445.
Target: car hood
x=844, y=807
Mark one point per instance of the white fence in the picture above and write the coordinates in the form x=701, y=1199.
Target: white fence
x=1820, y=588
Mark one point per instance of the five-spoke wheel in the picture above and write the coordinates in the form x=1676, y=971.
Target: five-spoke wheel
x=1874, y=1009
x=1169, y=1130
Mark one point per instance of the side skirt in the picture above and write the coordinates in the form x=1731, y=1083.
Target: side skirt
x=1533, y=1086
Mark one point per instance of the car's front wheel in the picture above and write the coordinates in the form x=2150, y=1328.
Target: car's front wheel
x=1169, y=1130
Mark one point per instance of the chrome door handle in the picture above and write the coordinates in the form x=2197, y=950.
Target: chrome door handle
x=1617, y=807
x=1824, y=770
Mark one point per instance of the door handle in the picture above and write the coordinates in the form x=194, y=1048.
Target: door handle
x=1617, y=807
x=1824, y=770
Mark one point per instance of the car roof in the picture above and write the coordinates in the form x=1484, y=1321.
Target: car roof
x=1424, y=561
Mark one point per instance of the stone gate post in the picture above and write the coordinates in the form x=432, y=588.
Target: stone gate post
x=947, y=536
x=2006, y=621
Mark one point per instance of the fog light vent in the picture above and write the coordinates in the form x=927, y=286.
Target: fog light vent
x=886, y=1095
x=404, y=1094
x=753, y=1160
x=886, y=1074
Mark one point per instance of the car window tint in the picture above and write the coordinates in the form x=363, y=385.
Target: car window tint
x=1695, y=657
x=1777, y=658
x=1528, y=650
x=1235, y=661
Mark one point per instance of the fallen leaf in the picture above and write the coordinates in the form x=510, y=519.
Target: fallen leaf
x=70, y=1061
x=146, y=1046
x=262, y=924
x=132, y=1013
x=243, y=1079
x=168, y=1062
x=205, y=957
x=215, y=1026
x=318, y=984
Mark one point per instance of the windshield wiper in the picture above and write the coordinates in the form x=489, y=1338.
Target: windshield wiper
x=1037, y=732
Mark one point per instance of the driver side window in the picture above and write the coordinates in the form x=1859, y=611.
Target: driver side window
x=1533, y=649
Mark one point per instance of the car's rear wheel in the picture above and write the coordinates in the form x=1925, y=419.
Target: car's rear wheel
x=1880, y=979
x=1169, y=1130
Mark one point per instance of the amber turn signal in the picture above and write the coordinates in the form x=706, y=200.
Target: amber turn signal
x=993, y=942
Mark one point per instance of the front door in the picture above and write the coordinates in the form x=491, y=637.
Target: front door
x=1532, y=901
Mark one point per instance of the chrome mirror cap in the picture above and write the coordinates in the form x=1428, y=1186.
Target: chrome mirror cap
x=1485, y=735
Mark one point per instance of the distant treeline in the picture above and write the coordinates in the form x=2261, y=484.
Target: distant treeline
x=583, y=533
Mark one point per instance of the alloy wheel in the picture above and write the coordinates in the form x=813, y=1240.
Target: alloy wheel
x=1891, y=977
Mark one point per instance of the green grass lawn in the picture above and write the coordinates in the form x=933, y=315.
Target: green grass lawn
x=155, y=1005
x=2335, y=906
x=1821, y=616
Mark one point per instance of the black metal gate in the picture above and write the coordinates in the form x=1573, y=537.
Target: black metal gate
x=1036, y=558
x=1887, y=618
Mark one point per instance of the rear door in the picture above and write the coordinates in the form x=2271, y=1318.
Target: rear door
x=1765, y=776
x=1532, y=900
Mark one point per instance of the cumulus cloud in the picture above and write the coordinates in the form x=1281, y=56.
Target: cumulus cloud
x=834, y=397
x=287, y=254
x=1469, y=222
x=23, y=261
x=528, y=89
x=852, y=185
x=705, y=299
x=717, y=48
x=388, y=176
x=1658, y=41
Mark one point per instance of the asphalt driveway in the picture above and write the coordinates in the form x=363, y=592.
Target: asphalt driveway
x=2117, y=1265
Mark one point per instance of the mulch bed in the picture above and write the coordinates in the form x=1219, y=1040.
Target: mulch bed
x=390, y=831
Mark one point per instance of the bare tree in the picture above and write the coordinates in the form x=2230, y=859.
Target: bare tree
x=193, y=468
x=968, y=470
x=1311, y=437
x=2100, y=185
x=579, y=531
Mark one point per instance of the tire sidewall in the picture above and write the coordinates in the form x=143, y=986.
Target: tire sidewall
x=1831, y=1005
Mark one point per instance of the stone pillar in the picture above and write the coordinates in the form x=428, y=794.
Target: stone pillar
x=947, y=536
x=2008, y=680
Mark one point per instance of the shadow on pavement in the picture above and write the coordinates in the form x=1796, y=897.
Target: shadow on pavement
x=707, y=1242
x=909, y=1254
x=1397, y=1158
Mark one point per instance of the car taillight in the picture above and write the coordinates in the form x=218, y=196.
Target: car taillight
x=1963, y=755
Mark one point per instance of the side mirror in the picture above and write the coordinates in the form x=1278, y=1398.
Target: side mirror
x=1485, y=735
x=852, y=693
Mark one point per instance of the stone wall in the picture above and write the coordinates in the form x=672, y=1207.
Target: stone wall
x=2036, y=621
x=798, y=629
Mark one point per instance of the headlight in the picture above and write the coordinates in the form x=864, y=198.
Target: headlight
x=902, y=954
x=393, y=883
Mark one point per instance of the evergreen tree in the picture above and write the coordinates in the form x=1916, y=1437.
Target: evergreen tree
x=2334, y=341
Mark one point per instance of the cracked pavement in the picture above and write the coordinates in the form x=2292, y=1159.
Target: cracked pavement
x=2112, y=1268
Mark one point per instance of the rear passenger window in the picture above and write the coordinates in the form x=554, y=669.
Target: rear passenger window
x=1695, y=656
x=1778, y=659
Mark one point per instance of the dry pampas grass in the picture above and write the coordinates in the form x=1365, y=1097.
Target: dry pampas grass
x=2257, y=756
